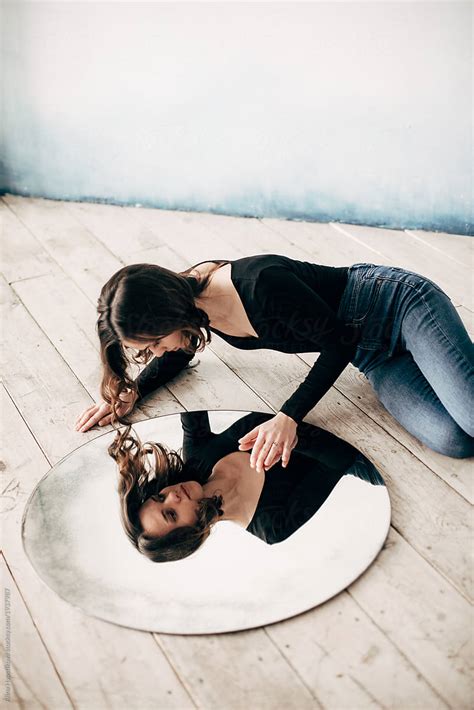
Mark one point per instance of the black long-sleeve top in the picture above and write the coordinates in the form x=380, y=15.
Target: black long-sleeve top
x=292, y=306
x=290, y=495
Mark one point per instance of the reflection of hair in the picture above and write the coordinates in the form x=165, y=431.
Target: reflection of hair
x=143, y=302
x=136, y=486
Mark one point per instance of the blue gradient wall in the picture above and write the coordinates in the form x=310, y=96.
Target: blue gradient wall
x=357, y=112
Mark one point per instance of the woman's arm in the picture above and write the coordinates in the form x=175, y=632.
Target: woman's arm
x=289, y=304
x=161, y=370
x=311, y=321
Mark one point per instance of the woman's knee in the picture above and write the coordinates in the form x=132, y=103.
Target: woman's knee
x=405, y=393
x=451, y=440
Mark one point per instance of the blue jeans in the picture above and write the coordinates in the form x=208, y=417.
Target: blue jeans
x=415, y=352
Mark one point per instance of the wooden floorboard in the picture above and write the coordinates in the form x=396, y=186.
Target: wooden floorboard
x=34, y=682
x=452, y=246
x=399, y=637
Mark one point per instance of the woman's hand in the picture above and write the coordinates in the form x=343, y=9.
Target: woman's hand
x=101, y=413
x=270, y=441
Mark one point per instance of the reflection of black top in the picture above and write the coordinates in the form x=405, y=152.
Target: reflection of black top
x=292, y=306
x=290, y=495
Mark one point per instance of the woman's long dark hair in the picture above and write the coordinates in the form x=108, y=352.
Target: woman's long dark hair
x=143, y=302
x=144, y=470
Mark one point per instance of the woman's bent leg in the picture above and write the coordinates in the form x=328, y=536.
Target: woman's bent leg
x=434, y=334
x=409, y=397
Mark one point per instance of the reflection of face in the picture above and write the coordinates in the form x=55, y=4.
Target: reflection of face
x=173, y=507
x=158, y=346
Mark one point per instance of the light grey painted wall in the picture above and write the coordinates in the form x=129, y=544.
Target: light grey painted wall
x=345, y=111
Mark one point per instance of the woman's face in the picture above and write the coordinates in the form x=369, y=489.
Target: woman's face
x=158, y=346
x=173, y=507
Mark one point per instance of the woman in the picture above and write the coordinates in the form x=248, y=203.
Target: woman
x=169, y=507
x=397, y=327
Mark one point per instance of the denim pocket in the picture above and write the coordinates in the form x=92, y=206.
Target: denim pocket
x=366, y=300
x=354, y=293
x=377, y=313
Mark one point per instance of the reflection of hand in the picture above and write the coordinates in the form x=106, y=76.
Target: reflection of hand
x=101, y=413
x=270, y=441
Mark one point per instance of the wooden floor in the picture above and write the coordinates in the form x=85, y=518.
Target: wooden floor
x=399, y=637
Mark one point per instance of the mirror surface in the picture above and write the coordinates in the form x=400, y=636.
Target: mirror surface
x=318, y=525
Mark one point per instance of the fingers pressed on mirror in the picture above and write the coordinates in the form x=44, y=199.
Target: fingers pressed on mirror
x=280, y=451
x=248, y=441
x=257, y=448
x=285, y=456
x=248, y=444
x=262, y=456
x=273, y=457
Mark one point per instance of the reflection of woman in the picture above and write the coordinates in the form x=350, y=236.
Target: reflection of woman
x=397, y=327
x=168, y=515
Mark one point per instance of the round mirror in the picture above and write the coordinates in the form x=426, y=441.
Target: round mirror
x=319, y=523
